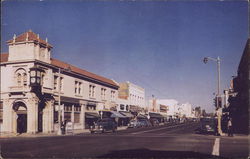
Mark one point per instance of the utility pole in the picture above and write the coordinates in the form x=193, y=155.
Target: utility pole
x=59, y=132
x=218, y=96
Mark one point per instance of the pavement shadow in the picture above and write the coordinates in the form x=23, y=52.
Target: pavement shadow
x=154, y=154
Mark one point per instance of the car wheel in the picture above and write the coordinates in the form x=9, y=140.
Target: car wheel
x=92, y=132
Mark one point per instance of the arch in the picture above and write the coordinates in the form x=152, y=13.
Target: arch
x=20, y=110
x=21, y=77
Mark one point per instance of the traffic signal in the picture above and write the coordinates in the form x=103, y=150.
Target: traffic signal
x=215, y=102
x=205, y=60
x=219, y=102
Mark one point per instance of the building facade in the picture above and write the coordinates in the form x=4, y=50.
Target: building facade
x=36, y=89
x=131, y=97
x=239, y=101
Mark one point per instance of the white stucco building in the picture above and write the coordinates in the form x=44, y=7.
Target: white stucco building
x=185, y=110
x=131, y=95
x=33, y=84
x=172, y=105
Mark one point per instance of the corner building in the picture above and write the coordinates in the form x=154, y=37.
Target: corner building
x=33, y=84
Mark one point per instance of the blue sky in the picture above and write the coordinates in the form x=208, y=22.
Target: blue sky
x=157, y=45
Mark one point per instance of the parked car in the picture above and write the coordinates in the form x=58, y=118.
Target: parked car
x=134, y=124
x=104, y=125
x=145, y=123
x=154, y=122
x=207, y=125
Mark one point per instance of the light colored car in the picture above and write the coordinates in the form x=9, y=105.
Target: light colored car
x=134, y=124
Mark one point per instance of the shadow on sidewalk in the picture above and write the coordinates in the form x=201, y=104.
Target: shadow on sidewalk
x=154, y=154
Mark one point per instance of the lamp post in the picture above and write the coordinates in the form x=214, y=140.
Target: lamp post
x=35, y=78
x=219, y=112
x=59, y=132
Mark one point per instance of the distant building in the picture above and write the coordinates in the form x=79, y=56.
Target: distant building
x=172, y=106
x=33, y=85
x=239, y=107
x=186, y=110
x=131, y=97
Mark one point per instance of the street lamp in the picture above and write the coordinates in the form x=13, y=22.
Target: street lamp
x=35, y=76
x=219, y=113
x=35, y=79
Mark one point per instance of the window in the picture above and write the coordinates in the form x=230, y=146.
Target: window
x=55, y=82
x=78, y=87
x=61, y=84
x=121, y=106
x=103, y=93
x=91, y=91
x=112, y=95
x=21, y=77
x=25, y=79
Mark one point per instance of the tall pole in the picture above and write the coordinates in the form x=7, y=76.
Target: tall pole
x=218, y=67
x=205, y=60
x=59, y=132
x=219, y=97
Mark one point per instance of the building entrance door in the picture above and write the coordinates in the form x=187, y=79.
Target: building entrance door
x=21, y=123
x=21, y=117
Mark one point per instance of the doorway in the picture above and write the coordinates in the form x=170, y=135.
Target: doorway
x=21, y=116
x=21, y=123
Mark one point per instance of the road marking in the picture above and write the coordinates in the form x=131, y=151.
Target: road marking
x=140, y=132
x=216, y=147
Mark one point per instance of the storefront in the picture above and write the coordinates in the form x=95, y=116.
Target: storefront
x=157, y=116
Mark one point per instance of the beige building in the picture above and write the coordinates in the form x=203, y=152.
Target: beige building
x=131, y=97
x=33, y=85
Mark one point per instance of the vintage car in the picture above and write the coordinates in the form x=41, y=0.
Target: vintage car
x=207, y=125
x=154, y=122
x=134, y=124
x=103, y=125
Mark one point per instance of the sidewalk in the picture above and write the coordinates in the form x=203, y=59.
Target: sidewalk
x=75, y=132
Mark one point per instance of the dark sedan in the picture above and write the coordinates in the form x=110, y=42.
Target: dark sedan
x=104, y=125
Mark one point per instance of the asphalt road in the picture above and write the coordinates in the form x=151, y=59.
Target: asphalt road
x=173, y=141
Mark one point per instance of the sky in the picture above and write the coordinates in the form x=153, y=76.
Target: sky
x=157, y=45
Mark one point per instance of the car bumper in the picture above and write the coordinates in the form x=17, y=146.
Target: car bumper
x=95, y=130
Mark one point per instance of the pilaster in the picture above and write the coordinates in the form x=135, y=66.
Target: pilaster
x=32, y=115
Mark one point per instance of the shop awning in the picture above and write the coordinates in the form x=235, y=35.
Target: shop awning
x=155, y=115
x=126, y=114
x=92, y=115
x=142, y=116
x=116, y=115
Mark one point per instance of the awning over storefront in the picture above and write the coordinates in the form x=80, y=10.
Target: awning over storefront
x=92, y=115
x=116, y=115
x=142, y=116
x=155, y=115
x=134, y=108
x=126, y=114
x=164, y=115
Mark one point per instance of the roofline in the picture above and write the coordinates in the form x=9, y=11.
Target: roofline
x=63, y=70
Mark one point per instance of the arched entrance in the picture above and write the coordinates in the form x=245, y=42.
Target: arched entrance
x=21, y=116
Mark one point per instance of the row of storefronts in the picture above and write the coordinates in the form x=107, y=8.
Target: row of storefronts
x=38, y=93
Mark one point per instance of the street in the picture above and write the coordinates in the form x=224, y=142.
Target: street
x=172, y=141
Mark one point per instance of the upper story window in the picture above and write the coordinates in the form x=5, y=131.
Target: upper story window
x=61, y=84
x=78, y=87
x=58, y=83
x=21, y=77
x=112, y=95
x=91, y=91
x=103, y=93
x=55, y=82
